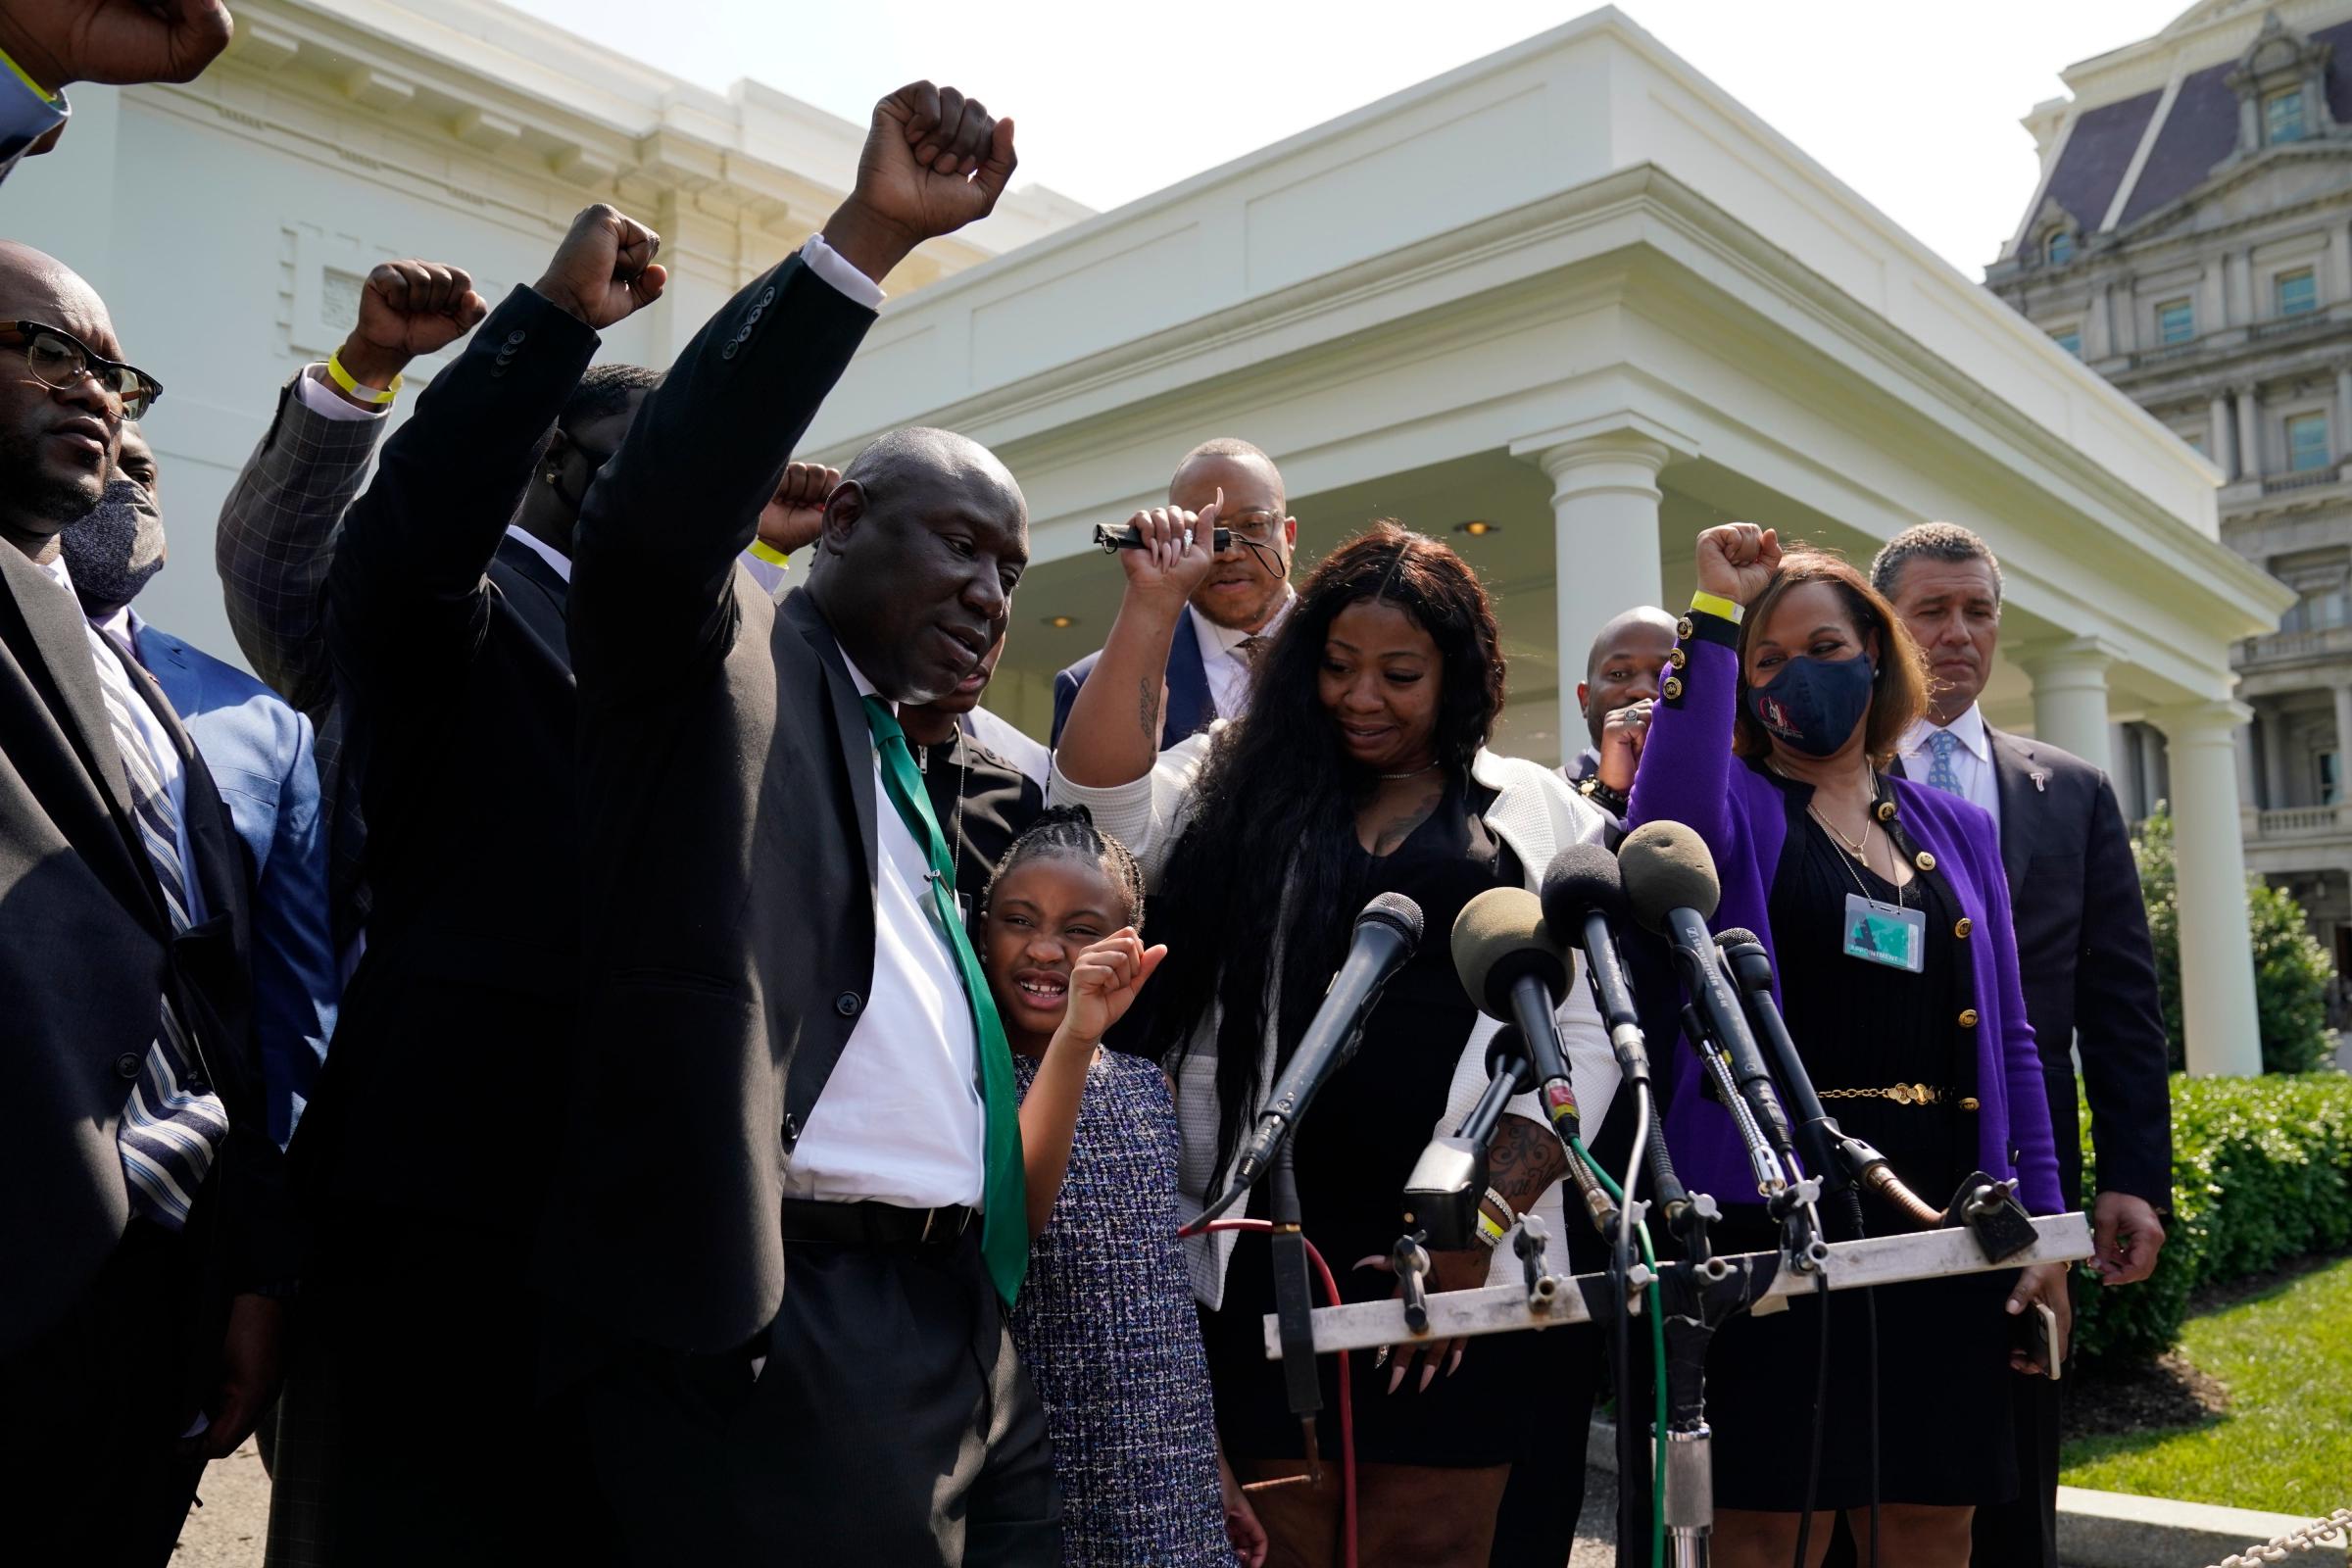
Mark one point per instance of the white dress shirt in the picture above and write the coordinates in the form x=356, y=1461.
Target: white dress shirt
x=116, y=638
x=899, y=1119
x=1222, y=659
x=1972, y=758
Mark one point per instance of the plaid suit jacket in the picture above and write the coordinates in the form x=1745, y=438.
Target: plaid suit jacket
x=275, y=541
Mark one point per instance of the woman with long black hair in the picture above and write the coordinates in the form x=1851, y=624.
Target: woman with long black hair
x=1361, y=768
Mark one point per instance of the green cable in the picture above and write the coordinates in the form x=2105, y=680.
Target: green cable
x=1657, y=1352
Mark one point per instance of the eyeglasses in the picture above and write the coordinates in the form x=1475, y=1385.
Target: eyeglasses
x=58, y=359
x=1253, y=528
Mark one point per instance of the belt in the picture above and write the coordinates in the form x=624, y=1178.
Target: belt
x=873, y=1224
x=1901, y=1094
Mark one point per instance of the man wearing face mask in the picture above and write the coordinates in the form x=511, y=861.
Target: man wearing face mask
x=259, y=751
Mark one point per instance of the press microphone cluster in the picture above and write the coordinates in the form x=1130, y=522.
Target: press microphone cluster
x=1515, y=970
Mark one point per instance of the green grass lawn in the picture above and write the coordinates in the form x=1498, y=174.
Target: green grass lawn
x=2286, y=1442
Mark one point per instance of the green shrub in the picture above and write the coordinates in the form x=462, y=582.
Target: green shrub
x=2261, y=1172
x=2291, y=970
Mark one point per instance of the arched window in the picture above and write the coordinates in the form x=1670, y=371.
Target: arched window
x=2058, y=247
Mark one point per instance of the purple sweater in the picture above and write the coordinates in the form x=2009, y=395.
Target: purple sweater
x=1688, y=775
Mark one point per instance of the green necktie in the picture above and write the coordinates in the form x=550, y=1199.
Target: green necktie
x=1004, y=1200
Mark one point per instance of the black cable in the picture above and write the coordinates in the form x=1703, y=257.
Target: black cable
x=1821, y=1400
x=1629, y=1448
x=1870, y=1313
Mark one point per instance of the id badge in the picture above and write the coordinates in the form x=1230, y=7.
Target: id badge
x=1886, y=933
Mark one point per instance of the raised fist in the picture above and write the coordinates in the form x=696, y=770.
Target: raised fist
x=604, y=270
x=934, y=160
x=57, y=42
x=1736, y=561
x=409, y=309
x=1179, y=547
x=795, y=514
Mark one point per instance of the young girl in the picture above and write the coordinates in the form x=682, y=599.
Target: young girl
x=1106, y=1323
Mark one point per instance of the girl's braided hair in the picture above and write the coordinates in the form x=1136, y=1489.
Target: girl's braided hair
x=1070, y=830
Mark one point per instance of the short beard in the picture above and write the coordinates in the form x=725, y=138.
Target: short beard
x=37, y=495
x=1259, y=614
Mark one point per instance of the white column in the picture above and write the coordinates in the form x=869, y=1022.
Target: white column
x=2343, y=739
x=2249, y=436
x=1604, y=511
x=2342, y=425
x=2217, y=965
x=2276, y=791
x=2249, y=793
x=2070, y=697
x=2223, y=439
x=2339, y=273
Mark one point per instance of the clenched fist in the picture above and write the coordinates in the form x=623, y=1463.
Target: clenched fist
x=934, y=160
x=795, y=513
x=604, y=270
x=1736, y=561
x=58, y=42
x=408, y=309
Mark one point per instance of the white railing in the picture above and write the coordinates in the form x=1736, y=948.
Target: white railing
x=2284, y=645
x=2300, y=822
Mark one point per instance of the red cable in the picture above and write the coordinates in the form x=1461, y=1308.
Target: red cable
x=1331, y=1289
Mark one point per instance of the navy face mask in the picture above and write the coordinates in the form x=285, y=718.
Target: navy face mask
x=1814, y=704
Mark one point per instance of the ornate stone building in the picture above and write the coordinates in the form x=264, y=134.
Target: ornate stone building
x=2191, y=241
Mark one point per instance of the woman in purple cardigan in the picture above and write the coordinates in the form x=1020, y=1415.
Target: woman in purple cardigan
x=1886, y=911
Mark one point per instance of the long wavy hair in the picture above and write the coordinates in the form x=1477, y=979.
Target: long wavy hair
x=1273, y=823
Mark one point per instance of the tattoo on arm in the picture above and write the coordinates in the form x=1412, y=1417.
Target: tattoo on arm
x=1146, y=710
x=1523, y=1161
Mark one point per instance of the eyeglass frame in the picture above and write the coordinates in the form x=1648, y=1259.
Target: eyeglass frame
x=92, y=359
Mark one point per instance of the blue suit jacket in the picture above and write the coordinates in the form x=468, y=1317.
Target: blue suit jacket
x=258, y=749
x=1191, y=707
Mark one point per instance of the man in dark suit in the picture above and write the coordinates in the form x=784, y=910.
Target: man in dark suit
x=2089, y=977
x=141, y=1201
x=427, y=1149
x=1239, y=605
x=790, y=1212
x=258, y=749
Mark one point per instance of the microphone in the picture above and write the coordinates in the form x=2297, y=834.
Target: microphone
x=1130, y=539
x=1516, y=971
x=1443, y=1193
x=1671, y=884
x=1584, y=893
x=1386, y=934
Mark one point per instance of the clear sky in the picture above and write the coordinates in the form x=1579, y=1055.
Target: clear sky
x=1915, y=105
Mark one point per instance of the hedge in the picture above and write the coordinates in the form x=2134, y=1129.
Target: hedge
x=2261, y=1172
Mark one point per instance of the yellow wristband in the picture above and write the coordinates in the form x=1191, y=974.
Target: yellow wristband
x=768, y=552
x=1488, y=1231
x=1717, y=606
x=18, y=71
x=352, y=388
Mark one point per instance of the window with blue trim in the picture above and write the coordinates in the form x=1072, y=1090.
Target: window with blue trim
x=2295, y=293
x=2307, y=443
x=2283, y=118
x=2176, y=321
x=2058, y=248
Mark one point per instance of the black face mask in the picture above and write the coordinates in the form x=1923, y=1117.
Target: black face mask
x=1814, y=704
x=112, y=551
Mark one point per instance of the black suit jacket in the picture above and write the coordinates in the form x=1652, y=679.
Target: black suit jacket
x=445, y=1089
x=2087, y=967
x=1191, y=707
x=86, y=954
x=727, y=841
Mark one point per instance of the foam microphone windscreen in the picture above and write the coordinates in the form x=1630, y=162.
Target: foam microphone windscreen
x=1500, y=936
x=1737, y=936
x=1583, y=878
x=1396, y=911
x=1666, y=866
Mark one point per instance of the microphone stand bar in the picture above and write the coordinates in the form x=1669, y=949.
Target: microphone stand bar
x=1850, y=1266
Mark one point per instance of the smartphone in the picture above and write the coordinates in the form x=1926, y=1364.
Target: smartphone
x=2038, y=1336
x=1129, y=539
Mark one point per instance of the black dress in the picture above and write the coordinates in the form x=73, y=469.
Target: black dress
x=1355, y=1149
x=1944, y=1377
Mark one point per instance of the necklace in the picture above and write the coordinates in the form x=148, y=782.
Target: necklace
x=1415, y=773
x=963, y=764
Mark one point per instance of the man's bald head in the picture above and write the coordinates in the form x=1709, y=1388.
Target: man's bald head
x=1623, y=664
x=923, y=540
x=56, y=443
x=1245, y=587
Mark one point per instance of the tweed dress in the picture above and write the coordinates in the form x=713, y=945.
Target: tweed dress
x=1107, y=1329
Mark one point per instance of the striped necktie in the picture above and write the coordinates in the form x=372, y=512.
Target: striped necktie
x=174, y=1122
x=1939, y=771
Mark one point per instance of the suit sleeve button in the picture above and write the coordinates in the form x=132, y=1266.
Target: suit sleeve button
x=1968, y=1017
x=1672, y=687
x=1924, y=860
x=515, y=336
x=127, y=1065
x=1968, y=1103
x=1962, y=927
x=848, y=1003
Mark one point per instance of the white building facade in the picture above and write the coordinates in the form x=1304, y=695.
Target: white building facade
x=229, y=222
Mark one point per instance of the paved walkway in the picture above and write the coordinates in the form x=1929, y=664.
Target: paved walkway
x=229, y=1530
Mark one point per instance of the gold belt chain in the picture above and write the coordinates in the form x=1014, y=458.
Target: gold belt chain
x=1901, y=1094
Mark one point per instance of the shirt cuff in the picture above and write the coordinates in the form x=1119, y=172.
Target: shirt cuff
x=327, y=403
x=828, y=263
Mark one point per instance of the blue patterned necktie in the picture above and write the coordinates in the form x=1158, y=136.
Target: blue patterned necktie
x=174, y=1122
x=1940, y=772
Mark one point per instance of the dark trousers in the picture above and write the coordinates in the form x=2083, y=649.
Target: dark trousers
x=890, y=1425
x=2025, y=1533
x=1535, y=1527
x=89, y=1468
x=437, y=1447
